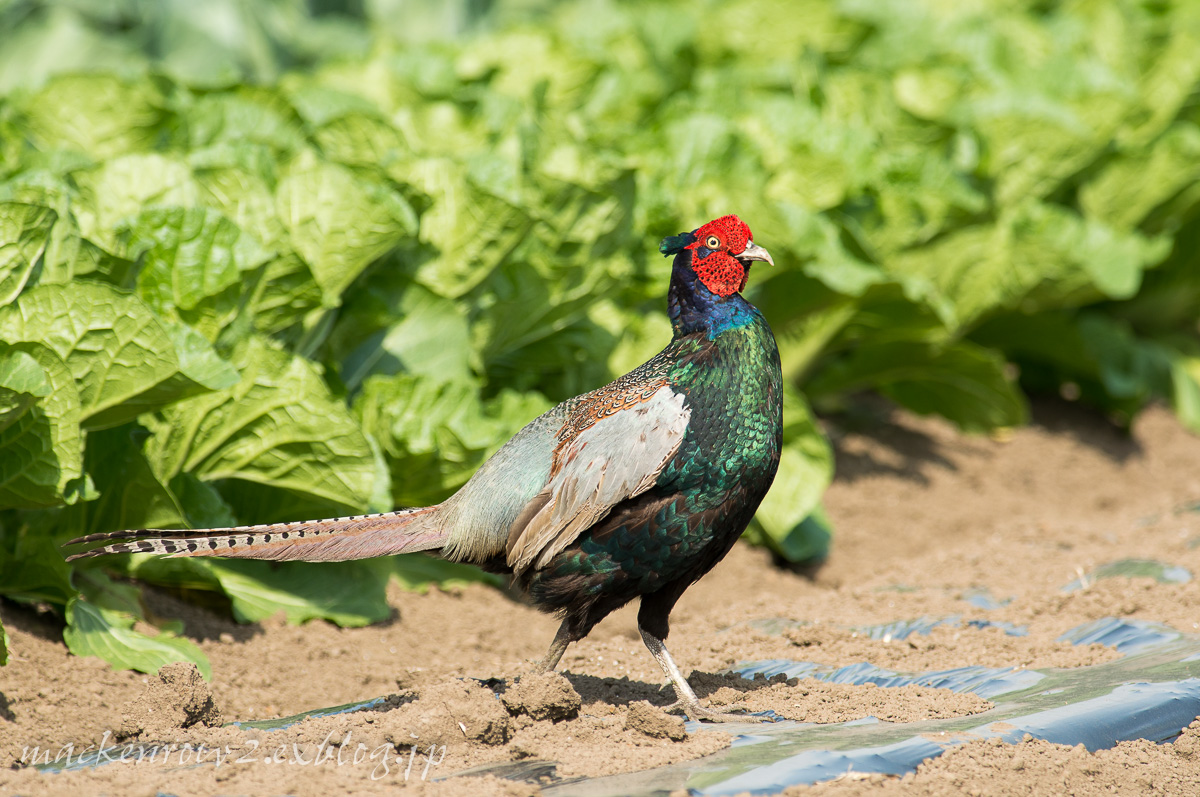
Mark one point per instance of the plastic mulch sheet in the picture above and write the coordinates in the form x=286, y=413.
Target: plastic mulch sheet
x=1151, y=692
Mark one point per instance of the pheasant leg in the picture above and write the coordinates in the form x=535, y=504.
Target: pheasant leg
x=557, y=648
x=687, y=701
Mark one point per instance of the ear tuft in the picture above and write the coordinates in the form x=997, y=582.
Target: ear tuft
x=674, y=244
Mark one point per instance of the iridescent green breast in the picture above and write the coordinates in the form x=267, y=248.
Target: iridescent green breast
x=734, y=389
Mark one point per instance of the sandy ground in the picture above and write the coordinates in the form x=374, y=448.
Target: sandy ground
x=922, y=514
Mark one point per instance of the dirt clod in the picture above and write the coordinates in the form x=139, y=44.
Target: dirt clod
x=654, y=722
x=543, y=696
x=180, y=698
x=448, y=714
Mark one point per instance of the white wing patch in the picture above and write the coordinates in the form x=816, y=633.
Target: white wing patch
x=618, y=457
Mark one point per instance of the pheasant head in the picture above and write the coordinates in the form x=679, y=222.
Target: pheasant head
x=721, y=253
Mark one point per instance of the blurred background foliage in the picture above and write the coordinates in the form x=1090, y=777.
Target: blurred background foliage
x=265, y=261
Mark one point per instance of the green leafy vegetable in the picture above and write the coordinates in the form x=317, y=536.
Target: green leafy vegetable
x=963, y=382
x=416, y=572
x=788, y=516
x=339, y=223
x=41, y=443
x=189, y=255
x=99, y=115
x=1185, y=389
x=22, y=382
x=24, y=230
x=436, y=433
x=346, y=593
x=279, y=427
x=121, y=355
x=108, y=634
x=31, y=569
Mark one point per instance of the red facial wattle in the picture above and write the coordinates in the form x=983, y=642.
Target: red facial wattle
x=715, y=254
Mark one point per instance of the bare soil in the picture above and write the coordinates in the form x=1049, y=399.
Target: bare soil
x=922, y=514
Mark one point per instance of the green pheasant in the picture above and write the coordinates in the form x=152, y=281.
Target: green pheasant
x=634, y=490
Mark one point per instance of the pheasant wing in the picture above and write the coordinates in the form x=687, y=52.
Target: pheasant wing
x=613, y=446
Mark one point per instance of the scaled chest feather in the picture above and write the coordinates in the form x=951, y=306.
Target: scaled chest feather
x=733, y=388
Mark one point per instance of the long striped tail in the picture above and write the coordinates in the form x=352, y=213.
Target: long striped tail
x=333, y=540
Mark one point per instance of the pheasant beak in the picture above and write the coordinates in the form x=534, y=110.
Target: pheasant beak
x=755, y=252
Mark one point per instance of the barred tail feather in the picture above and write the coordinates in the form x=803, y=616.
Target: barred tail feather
x=334, y=540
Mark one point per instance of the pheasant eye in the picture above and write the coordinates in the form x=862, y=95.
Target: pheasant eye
x=712, y=242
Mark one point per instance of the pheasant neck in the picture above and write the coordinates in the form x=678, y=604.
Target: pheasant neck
x=694, y=308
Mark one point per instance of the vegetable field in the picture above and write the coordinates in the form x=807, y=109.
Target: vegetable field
x=306, y=264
